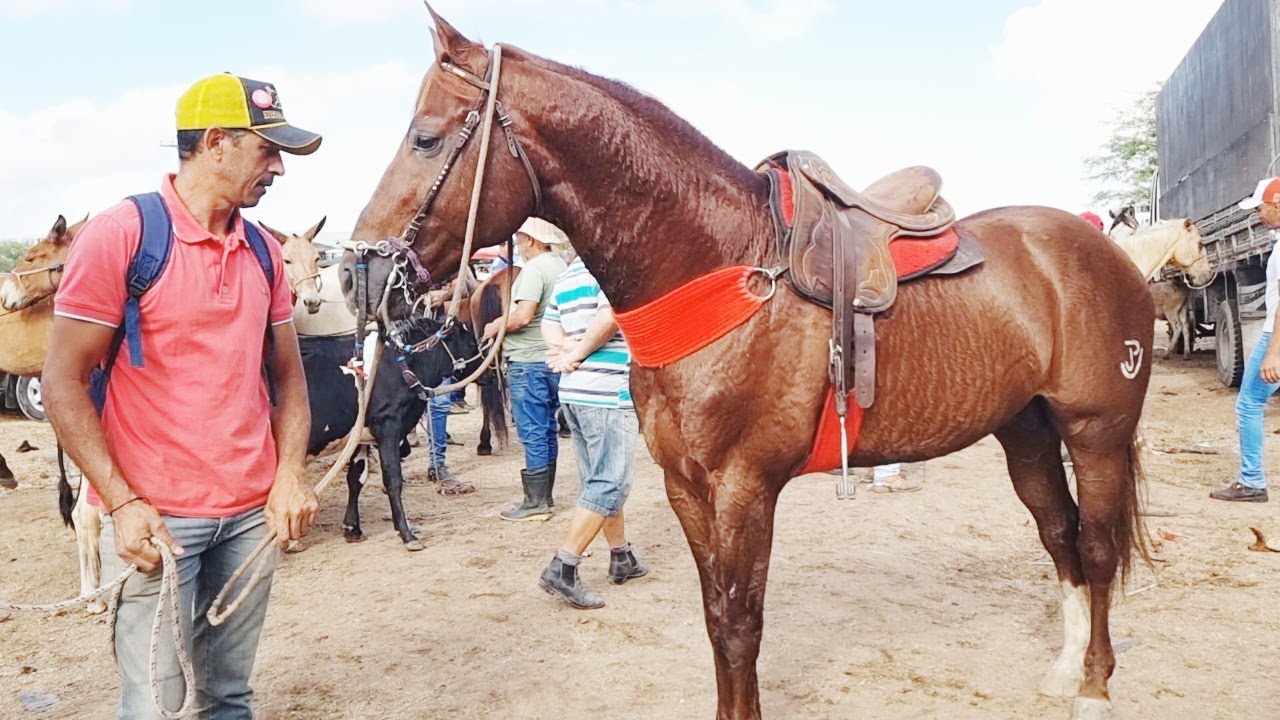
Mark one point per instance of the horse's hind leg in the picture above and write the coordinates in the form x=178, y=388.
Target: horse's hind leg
x=1105, y=485
x=1031, y=447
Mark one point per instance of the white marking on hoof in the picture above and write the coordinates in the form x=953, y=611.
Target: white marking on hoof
x=95, y=607
x=1091, y=709
x=1064, y=678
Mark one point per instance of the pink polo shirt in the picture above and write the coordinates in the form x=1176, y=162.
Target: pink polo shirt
x=191, y=430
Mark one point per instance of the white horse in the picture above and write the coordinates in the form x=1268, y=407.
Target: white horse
x=1176, y=243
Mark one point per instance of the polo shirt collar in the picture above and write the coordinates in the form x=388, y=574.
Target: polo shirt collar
x=185, y=227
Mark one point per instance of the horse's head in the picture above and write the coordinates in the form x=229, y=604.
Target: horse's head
x=1123, y=223
x=1188, y=253
x=301, y=264
x=440, y=349
x=425, y=194
x=37, y=275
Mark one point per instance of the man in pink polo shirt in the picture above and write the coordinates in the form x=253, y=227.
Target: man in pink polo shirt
x=189, y=451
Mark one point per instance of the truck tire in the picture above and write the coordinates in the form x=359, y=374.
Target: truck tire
x=29, y=400
x=1228, y=345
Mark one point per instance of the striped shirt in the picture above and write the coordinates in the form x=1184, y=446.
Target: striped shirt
x=604, y=378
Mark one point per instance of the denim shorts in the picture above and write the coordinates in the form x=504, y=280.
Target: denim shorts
x=604, y=440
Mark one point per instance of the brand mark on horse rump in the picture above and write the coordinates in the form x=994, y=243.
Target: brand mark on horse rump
x=1129, y=368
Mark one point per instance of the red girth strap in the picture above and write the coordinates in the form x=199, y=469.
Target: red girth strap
x=691, y=317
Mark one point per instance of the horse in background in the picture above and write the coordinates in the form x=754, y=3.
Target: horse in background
x=1172, y=244
x=301, y=265
x=652, y=205
x=1123, y=223
x=487, y=302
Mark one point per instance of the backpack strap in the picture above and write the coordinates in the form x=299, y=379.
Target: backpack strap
x=260, y=251
x=147, y=264
x=144, y=269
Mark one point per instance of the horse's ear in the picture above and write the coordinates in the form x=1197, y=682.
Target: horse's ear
x=75, y=229
x=311, y=234
x=1186, y=222
x=449, y=43
x=58, y=231
x=1112, y=213
x=279, y=236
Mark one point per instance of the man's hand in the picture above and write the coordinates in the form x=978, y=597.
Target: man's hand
x=136, y=524
x=1271, y=369
x=568, y=356
x=291, y=506
x=491, y=328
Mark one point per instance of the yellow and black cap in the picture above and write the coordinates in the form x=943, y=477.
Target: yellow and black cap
x=236, y=103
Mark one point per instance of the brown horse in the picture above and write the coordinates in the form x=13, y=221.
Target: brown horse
x=26, y=301
x=651, y=205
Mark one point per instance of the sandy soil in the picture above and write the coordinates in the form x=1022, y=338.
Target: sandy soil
x=937, y=604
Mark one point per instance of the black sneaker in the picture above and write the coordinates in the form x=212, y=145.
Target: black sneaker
x=1235, y=492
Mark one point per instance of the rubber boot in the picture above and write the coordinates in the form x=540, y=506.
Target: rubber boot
x=534, y=504
x=624, y=566
x=562, y=581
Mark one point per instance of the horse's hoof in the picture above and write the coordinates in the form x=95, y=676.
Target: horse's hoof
x=352, y=536
x=1061, y=682
x=414, y=546
x=484, y=451
x=95, y=607
x=294, y=547
x=1091, y=709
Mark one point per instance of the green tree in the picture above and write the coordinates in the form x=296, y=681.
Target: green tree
x=11, y=251
x=1126, y=163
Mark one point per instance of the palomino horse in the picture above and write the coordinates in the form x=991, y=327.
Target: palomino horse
x=1123, y=223
x=651, y=205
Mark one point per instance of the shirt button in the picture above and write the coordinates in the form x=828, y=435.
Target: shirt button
x=225, y=289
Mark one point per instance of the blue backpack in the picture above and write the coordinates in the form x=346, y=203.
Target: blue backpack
x=144, y=270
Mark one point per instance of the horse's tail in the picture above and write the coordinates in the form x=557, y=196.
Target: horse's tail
x=493, y=396
x=66, y=498
x=1133, y=542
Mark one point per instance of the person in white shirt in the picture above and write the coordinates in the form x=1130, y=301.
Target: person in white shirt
x=1262, y=370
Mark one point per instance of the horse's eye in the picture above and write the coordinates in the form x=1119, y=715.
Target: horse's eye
x=288, y=262
x=427, y=144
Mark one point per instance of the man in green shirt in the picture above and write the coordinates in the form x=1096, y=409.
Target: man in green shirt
x=534, y=387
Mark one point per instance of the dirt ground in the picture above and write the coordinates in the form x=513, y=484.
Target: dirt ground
x=936, y=604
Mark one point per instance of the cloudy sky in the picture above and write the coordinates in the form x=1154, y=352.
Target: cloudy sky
x=1004, y=97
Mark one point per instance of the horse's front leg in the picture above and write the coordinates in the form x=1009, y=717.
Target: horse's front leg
x=728, y=521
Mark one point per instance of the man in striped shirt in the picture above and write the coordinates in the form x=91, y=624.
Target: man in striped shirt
x=583, y=343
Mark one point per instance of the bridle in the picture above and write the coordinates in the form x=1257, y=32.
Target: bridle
x=17, y=275
x=481, y=116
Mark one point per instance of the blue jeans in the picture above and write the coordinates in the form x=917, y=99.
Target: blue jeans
x=439, y=419
x=604, y=441
x=535, y=396
x=1254, y=393
x=222, y=656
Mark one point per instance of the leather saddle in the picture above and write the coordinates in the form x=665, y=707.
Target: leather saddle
x=839, y=246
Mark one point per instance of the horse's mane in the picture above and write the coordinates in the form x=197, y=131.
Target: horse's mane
x=651, y=111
